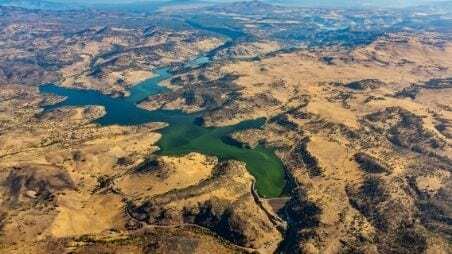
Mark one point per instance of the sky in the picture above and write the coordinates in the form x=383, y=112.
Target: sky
x=305, y=3
x=322, y=2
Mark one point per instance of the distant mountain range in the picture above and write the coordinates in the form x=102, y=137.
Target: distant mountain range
x=140, y=5
x=40, y=4
x=118, y=5
x=354, y=3
x=124, y=5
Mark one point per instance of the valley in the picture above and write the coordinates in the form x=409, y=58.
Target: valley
x=241, y=127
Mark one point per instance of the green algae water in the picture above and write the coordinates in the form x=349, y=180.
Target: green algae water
x=183, y=134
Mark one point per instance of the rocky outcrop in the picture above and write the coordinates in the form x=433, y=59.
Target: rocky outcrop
x=366, y=84
x=371, y=164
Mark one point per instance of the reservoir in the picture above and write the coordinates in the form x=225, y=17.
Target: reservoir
x=184, y=134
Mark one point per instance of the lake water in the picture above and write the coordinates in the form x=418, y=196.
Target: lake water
x=184, y=134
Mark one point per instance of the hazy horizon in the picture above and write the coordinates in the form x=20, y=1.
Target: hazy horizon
x=303, y=3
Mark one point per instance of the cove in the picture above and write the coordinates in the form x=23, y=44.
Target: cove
x=183, y=135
